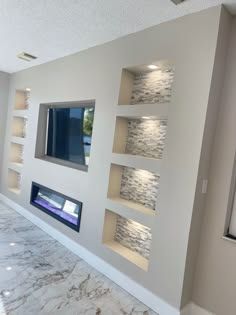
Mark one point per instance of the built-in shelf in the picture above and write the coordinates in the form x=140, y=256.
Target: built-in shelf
x=20, y=113
x=14, y=181
x=127, y=238
x=143, y=136
x=16, y=153
x=16, y=167
x=159, y=111
x=138, y=186
x=18, y=134
x=118, y=201
x=15, y=190
x=141, y=85
x=19, y=126
x=136, y=161
x=128, y=254
x=18, y=140
x=21, y=99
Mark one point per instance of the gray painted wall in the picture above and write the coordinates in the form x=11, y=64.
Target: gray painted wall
x=95, y=74
x=4, y=91
x=215, y=278
x=206, y=152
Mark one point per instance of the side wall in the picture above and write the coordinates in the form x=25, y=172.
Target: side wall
x=208, y=141
x=215, y=278
x=95, y=74
x=4, y=92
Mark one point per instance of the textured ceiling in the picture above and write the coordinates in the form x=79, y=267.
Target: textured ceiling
x=51, y=29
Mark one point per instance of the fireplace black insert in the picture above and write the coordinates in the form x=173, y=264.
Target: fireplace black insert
x=57, y=205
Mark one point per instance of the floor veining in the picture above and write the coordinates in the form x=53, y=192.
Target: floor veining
x=38, y=275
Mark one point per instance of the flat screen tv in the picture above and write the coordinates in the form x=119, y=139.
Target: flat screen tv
x=69, y=133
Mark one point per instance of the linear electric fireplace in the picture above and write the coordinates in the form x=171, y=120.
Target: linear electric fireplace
x=60, y=207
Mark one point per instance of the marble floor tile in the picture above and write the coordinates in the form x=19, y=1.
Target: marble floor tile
x=38, y=275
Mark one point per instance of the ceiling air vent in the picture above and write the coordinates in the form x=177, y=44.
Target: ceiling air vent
x=26, y=57
x=177, y=1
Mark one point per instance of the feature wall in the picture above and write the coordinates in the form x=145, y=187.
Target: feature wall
x=112, y=197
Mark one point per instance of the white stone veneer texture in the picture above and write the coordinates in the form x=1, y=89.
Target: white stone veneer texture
x=146, y=137
x=140, y=186
x=134, y=236
x=152, y=87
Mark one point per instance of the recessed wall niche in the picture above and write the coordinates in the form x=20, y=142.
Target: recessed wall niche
x=140, y=136
x=140, y=85
x=14, y=181
x=16, y=153
x=19, y=127
x=128, y=238
x=135, y=188
x=22, y=99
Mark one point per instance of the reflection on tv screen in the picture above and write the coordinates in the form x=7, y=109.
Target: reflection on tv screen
x=69, y=133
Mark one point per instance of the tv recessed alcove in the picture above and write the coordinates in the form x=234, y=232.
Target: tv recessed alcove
x=64, y=133
x=57, y=205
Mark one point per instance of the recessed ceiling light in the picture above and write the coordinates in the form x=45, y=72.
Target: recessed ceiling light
x=26, y=56
x=152, y=67
x=6, y=293
x=8, y=268
x=177, y=1
x=12, y=244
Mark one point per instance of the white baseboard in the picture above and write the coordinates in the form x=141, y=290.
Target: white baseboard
x=193, y=309
x=135, y=289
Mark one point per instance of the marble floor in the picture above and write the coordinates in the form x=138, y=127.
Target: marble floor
x=38, y=275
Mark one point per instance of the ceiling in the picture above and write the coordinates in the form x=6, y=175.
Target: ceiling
x=51, y=29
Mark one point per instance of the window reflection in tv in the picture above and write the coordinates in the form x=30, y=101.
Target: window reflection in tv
x=59, y=206
x=70, y=133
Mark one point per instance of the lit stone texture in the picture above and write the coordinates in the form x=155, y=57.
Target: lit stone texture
x=134, y=236
x=140, y=186
x=152, y=87
x=146, y=137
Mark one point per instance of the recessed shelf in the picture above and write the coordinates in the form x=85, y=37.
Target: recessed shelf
x=138, y=186
x=20, y=113
x=127, y=238
x=16, y=153
x=144, y=136
x=18, y=140
x=14, y=181
x=21, y=100
x=132, y=205
x=16, y=167
x=136, y=161
x=15, y=190
x=140, y=85
x=159, y=110
x=19, y=127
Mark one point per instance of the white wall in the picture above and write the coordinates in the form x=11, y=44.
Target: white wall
x=4, y=91
x=215, y=278
x=190, y=44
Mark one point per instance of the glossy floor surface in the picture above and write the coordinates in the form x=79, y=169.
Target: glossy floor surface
x=38, y=275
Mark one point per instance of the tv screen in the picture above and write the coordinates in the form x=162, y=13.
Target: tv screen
x=69, y=133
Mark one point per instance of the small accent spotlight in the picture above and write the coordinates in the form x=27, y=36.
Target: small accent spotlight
x=152, y=67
